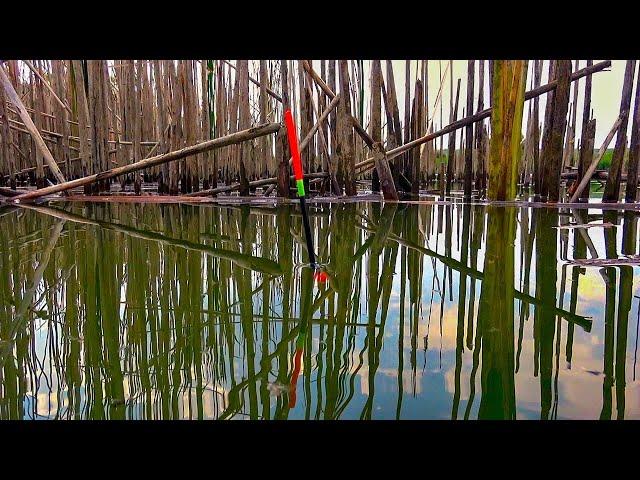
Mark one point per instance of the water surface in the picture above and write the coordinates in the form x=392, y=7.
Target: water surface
x=133, y=311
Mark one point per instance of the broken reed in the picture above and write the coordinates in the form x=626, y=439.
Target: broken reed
x=94, y=115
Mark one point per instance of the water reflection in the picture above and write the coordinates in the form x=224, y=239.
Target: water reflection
x=427, y=311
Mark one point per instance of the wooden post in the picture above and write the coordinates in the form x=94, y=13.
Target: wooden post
x=417, y=125
x=407, y=112
x=452, y=142
x=612, y=187
x=631, y=194
x=468, y=152
x=585, y=154
x=382, y=166
x=479, y=135
x=282, y=146
x=509, y=80
x=556, y=119
x=346, y=161
x=537, y=78
x=26, y=119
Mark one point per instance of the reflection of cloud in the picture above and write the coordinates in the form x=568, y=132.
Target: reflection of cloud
x=48, y=404
x=383, y=383
x=591, y=291
x=450, y=379
x=449, y=328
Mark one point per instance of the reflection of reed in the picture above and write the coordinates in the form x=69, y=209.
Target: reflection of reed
x=146, y=311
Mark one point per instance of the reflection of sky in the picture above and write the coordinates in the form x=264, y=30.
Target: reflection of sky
x=579, y=385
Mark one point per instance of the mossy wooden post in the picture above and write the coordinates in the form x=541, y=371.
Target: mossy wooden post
x=344, y=133
x=585, y=153
x=468, y=151
x=612, y=187
x=631, y=194
x=555, y=123
x=509, y=79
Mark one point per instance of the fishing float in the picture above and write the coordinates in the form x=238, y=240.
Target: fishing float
x=299, y=176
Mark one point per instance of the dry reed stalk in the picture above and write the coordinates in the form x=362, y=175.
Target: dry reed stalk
x=244, y=122
x=594, y=163
x=46, y=85
x=62, y=115
x=14, y=98
x=8, y=160
x=265, y=147
x=234, y=138
x=174, y=106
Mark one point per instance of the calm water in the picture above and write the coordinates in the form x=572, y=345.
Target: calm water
x=429, y=311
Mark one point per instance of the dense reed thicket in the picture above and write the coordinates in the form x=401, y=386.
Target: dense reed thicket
x=113, y=123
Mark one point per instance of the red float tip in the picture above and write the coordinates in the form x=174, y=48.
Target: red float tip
x=320, y=276
x=293, y=144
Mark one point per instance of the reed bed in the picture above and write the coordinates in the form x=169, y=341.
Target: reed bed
x=63, y=120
